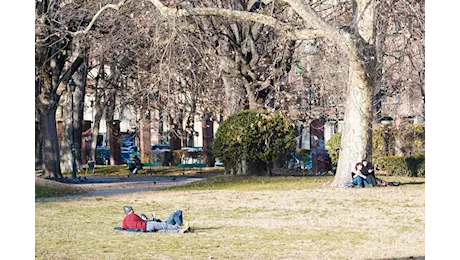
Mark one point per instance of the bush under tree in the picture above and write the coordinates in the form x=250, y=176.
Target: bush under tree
x=250, y=141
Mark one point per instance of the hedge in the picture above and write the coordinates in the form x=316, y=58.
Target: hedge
x=412, y=166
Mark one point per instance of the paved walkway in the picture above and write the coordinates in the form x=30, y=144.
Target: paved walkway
x=102, y=186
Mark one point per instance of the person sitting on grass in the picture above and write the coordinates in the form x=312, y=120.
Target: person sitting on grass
x=135, y=165
x=358, y=178
x=133, y=221
x=362, y=180
x=368, y=171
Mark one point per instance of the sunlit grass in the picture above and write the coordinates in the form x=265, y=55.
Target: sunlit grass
x=232, y=182
x=122, y=170
x=234, y=217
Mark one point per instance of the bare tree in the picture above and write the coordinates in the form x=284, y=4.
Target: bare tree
x=401, y=53
x=58, y=57
x=53, y=48
x=356, y=40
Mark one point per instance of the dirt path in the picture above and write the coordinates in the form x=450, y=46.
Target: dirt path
x=102, y=186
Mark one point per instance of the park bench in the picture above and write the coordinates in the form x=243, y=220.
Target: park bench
x=148, y=164
x=144, y=165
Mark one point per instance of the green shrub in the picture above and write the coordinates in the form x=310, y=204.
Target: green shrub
x=383, y=136
x=416, y=165
x=333, y=147
x=411, y=138
x=413, y=166
x=257, y=136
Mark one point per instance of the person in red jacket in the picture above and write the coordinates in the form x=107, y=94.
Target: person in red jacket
x=133, y=221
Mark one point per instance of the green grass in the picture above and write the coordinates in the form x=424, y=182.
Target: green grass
x=236, y=217
x=44, y=191
x=232, y=182
x=122, y=170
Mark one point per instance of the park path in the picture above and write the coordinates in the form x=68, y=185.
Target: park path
x=103, y=186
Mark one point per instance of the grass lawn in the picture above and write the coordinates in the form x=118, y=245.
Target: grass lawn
x=243, y=218
x=122, y=170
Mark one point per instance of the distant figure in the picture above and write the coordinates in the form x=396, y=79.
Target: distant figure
x=135, y=165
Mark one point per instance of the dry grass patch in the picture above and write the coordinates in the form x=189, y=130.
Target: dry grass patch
x=283, y=218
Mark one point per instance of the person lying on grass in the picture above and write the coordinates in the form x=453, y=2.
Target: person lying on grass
x=133, y=221
x=175, y=218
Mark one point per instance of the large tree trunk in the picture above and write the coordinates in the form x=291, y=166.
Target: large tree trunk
x=356, y=143
x=50, y=144
x=79, y=104
x=73, y=123
x=234, y=97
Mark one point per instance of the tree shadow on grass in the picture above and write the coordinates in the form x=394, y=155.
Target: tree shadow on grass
x=202, y=229
x=413, y=183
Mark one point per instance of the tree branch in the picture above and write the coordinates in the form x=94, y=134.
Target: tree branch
x=287, y=29
x=96, y=16
x=62, y=83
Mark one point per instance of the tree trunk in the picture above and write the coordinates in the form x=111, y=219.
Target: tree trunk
x=99, y=106
x=208, y=136
x=95, y=130
x=234, y=97
x=144, y=137
x=38, y=145
x=174, y=140
x=50, y=144
x=65, y=142
x=79, y=104
x=356, y=143
x=259, y=168
x=109, y=115
x=250, y=93
x=234, y=93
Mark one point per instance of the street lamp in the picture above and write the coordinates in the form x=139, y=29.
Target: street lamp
x=72, y=86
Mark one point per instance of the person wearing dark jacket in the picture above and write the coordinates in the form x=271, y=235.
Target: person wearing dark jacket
x=133, y=221
x=135, y=165
x=368, y=171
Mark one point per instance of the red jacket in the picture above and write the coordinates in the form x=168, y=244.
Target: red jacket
x=133, y=221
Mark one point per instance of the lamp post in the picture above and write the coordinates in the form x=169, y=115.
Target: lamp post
x=72, y=86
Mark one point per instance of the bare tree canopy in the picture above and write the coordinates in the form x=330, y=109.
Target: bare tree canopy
x=218, y=57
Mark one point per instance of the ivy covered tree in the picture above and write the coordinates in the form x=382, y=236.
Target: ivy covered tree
x=248, y=142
